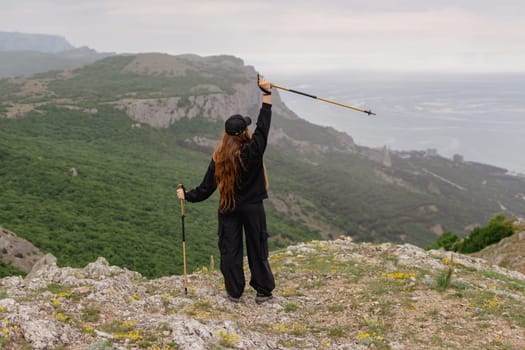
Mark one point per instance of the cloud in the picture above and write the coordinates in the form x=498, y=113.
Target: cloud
x=315, y=34
x=186, y=9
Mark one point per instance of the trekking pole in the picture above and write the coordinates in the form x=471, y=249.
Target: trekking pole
x=369, y=112
x=183, y=243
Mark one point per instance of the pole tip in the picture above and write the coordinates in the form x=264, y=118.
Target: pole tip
x=369, y=112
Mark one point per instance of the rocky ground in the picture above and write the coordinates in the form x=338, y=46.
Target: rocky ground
x=18, y=252
x=329, y=295
x=509, y=252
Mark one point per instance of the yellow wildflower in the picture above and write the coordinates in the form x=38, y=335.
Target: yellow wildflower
x=63, y=295
x=281, y=327
x=202, y=315
x=228, y=339
x=490, y=303
x=133, y=335
x=326, y=343
x=128, y=324
x=401, y=275
x=61, y=317
x=363, y=335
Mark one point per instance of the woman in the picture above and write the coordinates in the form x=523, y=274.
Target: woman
x=237, y=170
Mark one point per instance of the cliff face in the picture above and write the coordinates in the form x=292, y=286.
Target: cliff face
x=209, y=100
x=162, y=113
x=330, y=294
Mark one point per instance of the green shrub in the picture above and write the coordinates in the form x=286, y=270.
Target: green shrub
x=497, y=229
x=447, y=241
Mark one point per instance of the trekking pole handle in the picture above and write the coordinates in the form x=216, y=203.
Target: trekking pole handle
x=181, y=187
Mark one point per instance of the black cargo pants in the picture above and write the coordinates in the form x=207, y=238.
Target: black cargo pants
x=252, y=218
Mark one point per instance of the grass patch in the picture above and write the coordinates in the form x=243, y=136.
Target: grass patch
x=91, y=314
x=291, y=292
x=291, y=307
x=314, y=284
x=58, y=289
x=119, y=326
x=337, y=332
x=511, y=283
x=336, y=308
x=444, y=279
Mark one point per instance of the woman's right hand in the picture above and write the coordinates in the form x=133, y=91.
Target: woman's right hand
x=180, y=193
x=264, y=85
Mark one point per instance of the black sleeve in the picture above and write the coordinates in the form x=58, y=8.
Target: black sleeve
x=260, y=135
x=206, y=188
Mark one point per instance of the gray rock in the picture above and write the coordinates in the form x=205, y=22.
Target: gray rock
x=46, y=263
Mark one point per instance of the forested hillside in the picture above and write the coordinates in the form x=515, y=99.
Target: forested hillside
x=90, y=159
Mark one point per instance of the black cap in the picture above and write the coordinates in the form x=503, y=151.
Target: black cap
x=236, y=124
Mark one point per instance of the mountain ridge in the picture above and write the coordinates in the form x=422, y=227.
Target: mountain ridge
x=80, y=118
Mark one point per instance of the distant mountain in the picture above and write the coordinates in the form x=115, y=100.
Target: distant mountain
x=26, y=54
x=14, y=41
x=90, y=159
x=24, y=63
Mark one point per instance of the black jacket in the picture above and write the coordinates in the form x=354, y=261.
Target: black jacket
x=251, y=186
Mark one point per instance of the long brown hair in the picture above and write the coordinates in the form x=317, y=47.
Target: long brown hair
x=227, y=158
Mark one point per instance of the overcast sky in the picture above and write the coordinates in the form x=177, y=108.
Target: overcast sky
x=292, y=36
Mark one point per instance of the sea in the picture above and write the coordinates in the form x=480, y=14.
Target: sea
x=478, y=116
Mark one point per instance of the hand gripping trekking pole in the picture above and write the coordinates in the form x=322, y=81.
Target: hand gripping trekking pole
x=183, y=243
